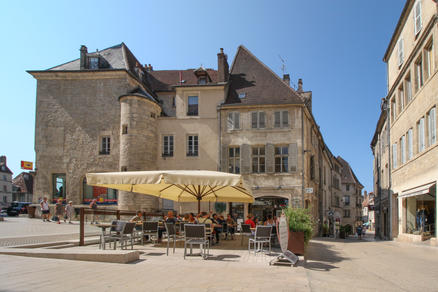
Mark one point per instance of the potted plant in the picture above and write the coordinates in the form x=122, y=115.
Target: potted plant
x=301, y=228
x=342, y=233
x=348, y=230
x=325, y=230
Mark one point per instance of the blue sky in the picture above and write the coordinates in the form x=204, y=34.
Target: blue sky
x=336, y=46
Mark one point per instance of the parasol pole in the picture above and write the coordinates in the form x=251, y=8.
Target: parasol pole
x=199, y=204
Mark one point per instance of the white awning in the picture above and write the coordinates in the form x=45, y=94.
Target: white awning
x=421, y=190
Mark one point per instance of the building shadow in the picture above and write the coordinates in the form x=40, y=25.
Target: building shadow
x=224, y=258
x=321, y=256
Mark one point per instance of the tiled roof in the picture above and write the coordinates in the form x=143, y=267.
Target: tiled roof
x=163, y=80
x=249, y=76
x=25, y=182
x=347, y=174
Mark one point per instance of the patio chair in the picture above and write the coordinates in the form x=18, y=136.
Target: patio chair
x=209, y=232
x=262, y=235
x=181, y=228
x=196, y=234
x=171, y=235
x=150, y=229
x=114, y=230
x=245, y=230
x=125, y=235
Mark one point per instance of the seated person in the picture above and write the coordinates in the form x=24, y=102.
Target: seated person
x=185, y=218
x=269, y=221
x=137, y=219
x=217, y=226
x=231, y=225
x=192, y=219
x=204, y=218
x=170, y=218
x=250, y=221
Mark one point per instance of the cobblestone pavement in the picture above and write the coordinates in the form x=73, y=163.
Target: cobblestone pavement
x=331, y=265
x=23, y=230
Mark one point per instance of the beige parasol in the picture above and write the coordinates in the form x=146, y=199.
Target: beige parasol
x=177, y=185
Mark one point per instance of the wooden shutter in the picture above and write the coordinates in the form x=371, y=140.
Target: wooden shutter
x=236, y=120
x=224, y=159
x=270, y=158
x=254, y=120
x=277, y=119
x=400, y=51
x=285, y=118
x=261, y=120
x=245, y=158
x=417, y=17
x=293, y=157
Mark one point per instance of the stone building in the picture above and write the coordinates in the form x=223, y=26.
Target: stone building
x=5, y=183
x=106, y=112
x=409, y=114
x=22, y=189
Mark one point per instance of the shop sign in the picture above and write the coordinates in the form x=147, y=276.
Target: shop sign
x=26, y=165
x=309, y=190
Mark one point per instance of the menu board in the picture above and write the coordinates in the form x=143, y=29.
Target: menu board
x=283, y=231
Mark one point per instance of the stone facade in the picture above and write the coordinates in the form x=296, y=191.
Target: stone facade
x=410, y=108
x=105, y=112
x=5, y=183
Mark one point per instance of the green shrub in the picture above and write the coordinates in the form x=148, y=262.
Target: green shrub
x=348, y=229
x=300, y=220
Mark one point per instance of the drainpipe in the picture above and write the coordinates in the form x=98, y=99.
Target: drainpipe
x=302, y=157
x=388, y=134
x=220, y=138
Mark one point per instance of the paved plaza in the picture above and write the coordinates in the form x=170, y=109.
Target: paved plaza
x=331, y=265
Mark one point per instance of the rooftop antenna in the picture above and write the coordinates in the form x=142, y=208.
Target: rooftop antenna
x=283, y=66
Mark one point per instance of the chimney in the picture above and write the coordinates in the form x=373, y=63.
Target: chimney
x=2, y=160
x=300, y=85
x=222, y=66
x=83, y=61
x=286, y=79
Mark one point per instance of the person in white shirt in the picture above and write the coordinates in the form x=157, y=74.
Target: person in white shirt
x=45, y=210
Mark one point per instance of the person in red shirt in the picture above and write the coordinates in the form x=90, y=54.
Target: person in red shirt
x=250, y=221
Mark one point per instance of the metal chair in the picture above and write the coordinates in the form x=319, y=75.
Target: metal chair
x=116, y=228
x=262, y=235
x=181, y=228
x=196, y=234
x=245, y=230
x=171, y=234
x=125, y=235
x=150, y=229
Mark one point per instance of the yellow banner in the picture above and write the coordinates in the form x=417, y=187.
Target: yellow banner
x=26, y=165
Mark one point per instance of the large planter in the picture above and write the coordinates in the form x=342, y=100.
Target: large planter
x=296, y=242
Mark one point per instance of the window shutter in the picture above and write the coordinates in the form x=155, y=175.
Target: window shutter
x=285, y=121
x=224, y=159
x=293, y=157
x=417, y=17
x=254, y=120
x=236, y=120
x=400, y=51
x=261, y=119
x=245, y=158
x=277, y=119
x=230, y=121
x=270, y=158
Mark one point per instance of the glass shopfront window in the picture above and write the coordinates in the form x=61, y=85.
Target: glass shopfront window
x=264, y=206
x=420, y=214
x=103, y=195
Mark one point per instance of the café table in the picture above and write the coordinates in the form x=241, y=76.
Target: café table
x=103, y=227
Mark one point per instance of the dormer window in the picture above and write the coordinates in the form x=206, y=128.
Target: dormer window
x=242, y=95
x=93, y=63
x=202, y=80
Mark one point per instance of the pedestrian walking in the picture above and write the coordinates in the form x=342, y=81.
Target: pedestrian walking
x=59, y=211
x=93, y=205
x=69, y=212
x=45, y=210
x=359, y=231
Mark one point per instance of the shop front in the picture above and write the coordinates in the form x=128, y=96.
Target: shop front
x=264, y=206
x=419, y=212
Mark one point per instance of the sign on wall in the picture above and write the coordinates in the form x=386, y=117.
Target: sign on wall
x=309, y=190
x=26, y=165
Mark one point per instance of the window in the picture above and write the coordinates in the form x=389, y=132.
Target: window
x=281, y=119
x=258, y=159
x=102, y=194
x=124, y=129
x=393, y=109
x=347, y=200
x=233, y=121
x=346, y=213
x=5, y=178
x=420, y=135
x=337, y=201
x=400, y=51
x=173, y=101
x=168, y=146
x=324, y=176
x=428, y=61
x=403, y=149
x=417, y=17
x=202, y=80
x=192, y=145
x=192, y=109
x=234, y=159
x=105, y=146
x=347, y=187
x=281, y=158
x=58, y=186
x=401, y=98
x=5, y=189
x=419, y=73
x=410, y=145
x=93, y=63
x=242, y=95
x=431, y=126
x=5, y=199
x=394, y=155
x=257, y=120
x=312, y=167
x=408, y=87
